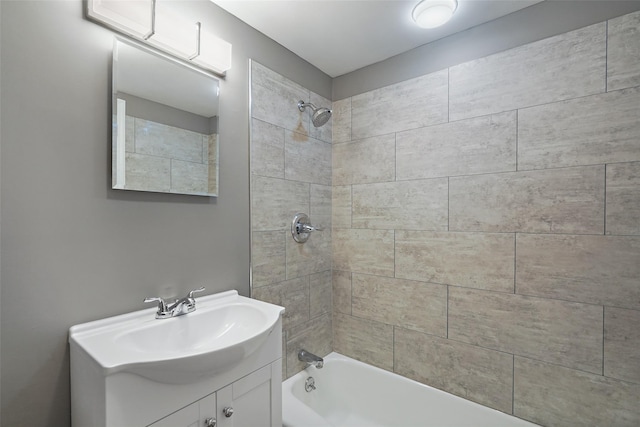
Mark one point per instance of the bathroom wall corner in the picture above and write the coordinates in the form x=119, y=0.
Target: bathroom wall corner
x=0, y=207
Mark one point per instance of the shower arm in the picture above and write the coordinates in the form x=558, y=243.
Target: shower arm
x=302, y=105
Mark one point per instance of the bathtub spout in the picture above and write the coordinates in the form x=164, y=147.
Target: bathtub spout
x=310, y=358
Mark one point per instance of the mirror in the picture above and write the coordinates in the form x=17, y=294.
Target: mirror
x=165, y=123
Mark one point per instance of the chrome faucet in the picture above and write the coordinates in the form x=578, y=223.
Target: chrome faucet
x=310, y=359
x=177, y=308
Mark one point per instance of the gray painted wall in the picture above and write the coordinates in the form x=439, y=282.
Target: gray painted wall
x=536, y=22
x=167, y=115
x=0, y=200
x=75, y=250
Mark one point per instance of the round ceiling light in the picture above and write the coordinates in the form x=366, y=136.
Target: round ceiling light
x=433, y=13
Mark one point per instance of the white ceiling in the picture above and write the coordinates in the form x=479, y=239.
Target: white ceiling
x=339, y=36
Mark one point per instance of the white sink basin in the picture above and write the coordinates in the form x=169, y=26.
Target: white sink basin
x=224, y=329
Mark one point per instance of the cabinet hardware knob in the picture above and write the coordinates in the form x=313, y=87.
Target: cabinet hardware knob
x=210, y=422
x=228, y=411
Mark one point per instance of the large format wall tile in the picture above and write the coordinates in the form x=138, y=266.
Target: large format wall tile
x=569, y=200
x=274, y=202
x=593, y=269
x=555, y=396
x=623, y=198
x=622, y=344
x=274, y=99
x=148, y=172
x=595, y=129
x=129, y=133
x=484, y=376
x=413, y=305
x=307, y=159
x=341, y=206
x=413, y=205
x=313, y=256
x=341, y=295
x=365, y=161
x=476, y=260
x=623, y=52
x=320, y=285
x=341, y=118
x=364, y=340
x=293, y=295
x=189, y=177
x=561, y=332
x=267, y=149
x=268, y=257
x=314, y=336
x=479, y=145
x=561, y=67
x=407, y=105
x=157, y=139
x=363, y=251
x=320, y=204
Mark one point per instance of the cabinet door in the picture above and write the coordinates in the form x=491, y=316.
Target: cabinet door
x=208, y=410
x=250, y=400
x=185, y=417
x=194, y=415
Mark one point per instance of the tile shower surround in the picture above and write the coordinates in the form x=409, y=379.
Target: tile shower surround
x=165, y=158
x=486, y=234
x=291, y=173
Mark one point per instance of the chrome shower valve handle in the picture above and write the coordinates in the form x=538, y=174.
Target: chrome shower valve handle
x=301, y=228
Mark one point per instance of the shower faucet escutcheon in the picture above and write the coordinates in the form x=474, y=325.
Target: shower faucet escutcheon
x=179, y=307
x=301, y=228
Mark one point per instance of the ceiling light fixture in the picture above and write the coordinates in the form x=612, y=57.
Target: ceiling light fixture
x=433, y=13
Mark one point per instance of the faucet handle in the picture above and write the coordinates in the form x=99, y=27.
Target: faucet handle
x=162, y=305
x=194, y=291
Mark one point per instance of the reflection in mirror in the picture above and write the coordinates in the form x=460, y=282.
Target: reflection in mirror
x=165, y=123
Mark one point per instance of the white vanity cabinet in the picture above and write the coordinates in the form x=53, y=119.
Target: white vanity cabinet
x=195, y=415
x=222, y=362
x=252, y=401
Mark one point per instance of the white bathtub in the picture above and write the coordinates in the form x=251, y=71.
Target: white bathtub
x=354, y=394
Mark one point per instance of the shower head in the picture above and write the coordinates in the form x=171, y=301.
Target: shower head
x=319, y=117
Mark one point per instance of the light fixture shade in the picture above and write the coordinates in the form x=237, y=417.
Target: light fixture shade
x=433, y=13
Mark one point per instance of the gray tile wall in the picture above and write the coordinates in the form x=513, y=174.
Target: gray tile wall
x=486, y=228
x=291, y=173
x=163, y=158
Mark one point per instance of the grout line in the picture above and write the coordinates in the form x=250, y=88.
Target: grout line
x=448, y=94
x=351, y=292
x=603, y=331
x=605, y=200
x=515, y=261
x=393, y=350
x=395, y=157
x=394, y=253
x=513, y=383
x=448, y=204
x=606, y=56
x=351, y=206
x=501, y=172
x=447, y=334
x=517, y=129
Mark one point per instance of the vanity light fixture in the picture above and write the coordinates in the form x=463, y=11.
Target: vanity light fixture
x=153, y=23
x=433, y=13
